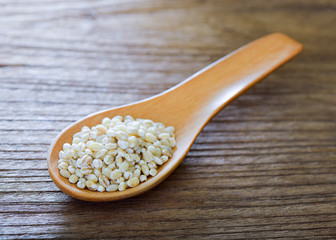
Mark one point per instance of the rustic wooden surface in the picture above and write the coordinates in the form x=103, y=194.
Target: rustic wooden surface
x=263, y=168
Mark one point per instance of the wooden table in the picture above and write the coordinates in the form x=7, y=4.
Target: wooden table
x=263, y=168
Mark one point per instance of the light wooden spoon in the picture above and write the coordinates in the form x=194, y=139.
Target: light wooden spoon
x=187, y=106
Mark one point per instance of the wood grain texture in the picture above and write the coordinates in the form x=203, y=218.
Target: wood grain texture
x=263, y=168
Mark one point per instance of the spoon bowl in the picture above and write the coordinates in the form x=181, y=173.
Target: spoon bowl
x=187, y=106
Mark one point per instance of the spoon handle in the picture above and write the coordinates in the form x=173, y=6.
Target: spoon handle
x=203, y=94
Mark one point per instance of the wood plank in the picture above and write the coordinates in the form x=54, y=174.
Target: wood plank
x=263, y=168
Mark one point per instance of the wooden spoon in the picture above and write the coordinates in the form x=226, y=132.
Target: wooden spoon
x=187, y=106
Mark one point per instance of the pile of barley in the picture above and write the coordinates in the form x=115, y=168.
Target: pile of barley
x=117, y=154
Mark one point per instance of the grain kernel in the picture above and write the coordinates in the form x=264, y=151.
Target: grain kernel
x=106, y=172
x=104, y=181
x=141, y=133
x=120, y=135
x=79, y=173
x=132, y=130
x=65, y=173
x=93, y=135
x=96, y=146
x=152, y=165
x=88, y=152
x=85, y=137
x=116, y=174
x=172, y=142
x=132, y=141
x=73, y=178
x=66, y=146
x=108, y=159
x=153, y=172
x=133, y=182
x=76, y=140
x=128, y=175
x=164, y=136
x=101, y=153
x=111, y=146
x=158, y=161
x=121, y=179
x=123, y=167
x=151, y=148
x=157, y=144
x=136, y=173
x=150, y=137
x=92, y=177
x=106, y=121
x=91, y=185
x=100, y=188
x=148, y=156
x=112, y=166
x=81, y=185
x=143, y=178
x=105, y=140
x=85, y=161
x=100, y=129
x=86, y=170
x=121, y=128
x=122, y=186
x=63, y=165
x=97, y=163
x=72, y=169
x=61, y=154
x=123, y=144
x=167, y=152
x=112, y=188
x=170, y=129
x=164, y=158
x=118, y=160
x=110, y=133
x=145, y=170
x=97, y=172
